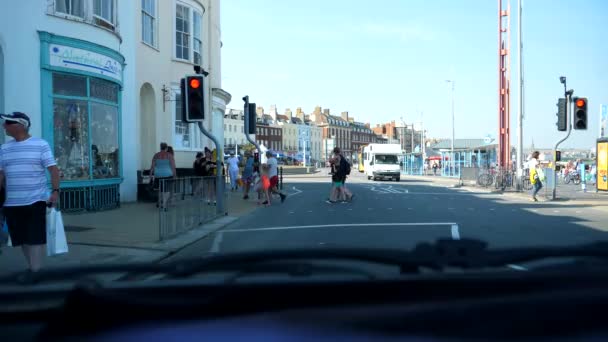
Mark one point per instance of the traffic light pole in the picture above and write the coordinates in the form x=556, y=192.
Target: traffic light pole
x=569, y=118
x=219, y=182
x=246, y=129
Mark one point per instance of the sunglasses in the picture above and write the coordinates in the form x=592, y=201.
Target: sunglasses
x=8, y=122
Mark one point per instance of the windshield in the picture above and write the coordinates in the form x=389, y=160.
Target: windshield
x=386, y=159
x=356, y=124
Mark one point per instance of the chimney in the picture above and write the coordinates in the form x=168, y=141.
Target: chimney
x=344, y=116
x=260, y=111
x=317, y=110
x=288, y=113
x=273, y=112
x=300, y=114
x=326, y=111
x=368, y=125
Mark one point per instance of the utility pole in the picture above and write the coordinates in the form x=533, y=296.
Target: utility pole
x=520, y=117
x=452, y=162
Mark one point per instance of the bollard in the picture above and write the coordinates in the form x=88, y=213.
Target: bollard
x=281, y=178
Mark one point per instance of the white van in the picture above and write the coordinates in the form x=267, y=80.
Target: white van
x=381, y=161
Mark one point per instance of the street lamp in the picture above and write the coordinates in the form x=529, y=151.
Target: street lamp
x=452, y=163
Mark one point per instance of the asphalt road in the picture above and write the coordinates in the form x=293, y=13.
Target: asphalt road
x=400, y=215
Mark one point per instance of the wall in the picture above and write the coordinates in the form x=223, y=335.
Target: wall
x=167, y=72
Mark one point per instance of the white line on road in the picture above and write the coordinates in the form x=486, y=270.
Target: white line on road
x=215, y=248
x=390, y=224
x=297, y=193
x=455, y=232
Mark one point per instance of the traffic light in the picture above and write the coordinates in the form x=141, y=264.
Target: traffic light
x=562, y=117
x=580, y=113
x=250, y=113
x=558, y=156
x=193, y=107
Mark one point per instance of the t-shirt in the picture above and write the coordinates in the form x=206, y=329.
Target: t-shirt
x=273, y=167
x=532, y=163
x=233, y=163
x=24, y=164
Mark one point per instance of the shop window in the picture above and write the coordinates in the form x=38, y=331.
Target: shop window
x=85, y=129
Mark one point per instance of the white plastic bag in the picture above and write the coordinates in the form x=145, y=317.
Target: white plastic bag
x=56, y=242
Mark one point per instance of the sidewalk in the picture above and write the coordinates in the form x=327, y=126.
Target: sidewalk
x=565, y=193
x=124, y=235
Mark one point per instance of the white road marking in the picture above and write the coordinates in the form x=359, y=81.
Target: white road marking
x=310, y=211
x=578, y=212
x=455, y=232
x=517, y=267
x=390, y=224
x=297, y=193
x=215, y=247
x=492, y=209
x=389, y=208
x=556, y=211
x=291, y=212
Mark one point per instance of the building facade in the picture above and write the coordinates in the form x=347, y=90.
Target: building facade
x=234, y=130
x=172, y=37
x=362, y=135
x=64, y=63
x=335, y=132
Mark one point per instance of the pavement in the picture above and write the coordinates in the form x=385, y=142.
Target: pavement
x=127, y=234
x=388, y=214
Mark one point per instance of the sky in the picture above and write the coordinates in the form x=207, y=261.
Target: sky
x=389, y=60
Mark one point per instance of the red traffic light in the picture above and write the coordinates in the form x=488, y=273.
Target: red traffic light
x=580, y=103
x=195, y=83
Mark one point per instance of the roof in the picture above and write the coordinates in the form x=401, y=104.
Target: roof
x=296, y=121
x=283, y=118
x=461, y=144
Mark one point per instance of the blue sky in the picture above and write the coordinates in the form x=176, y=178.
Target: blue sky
x=388, y=59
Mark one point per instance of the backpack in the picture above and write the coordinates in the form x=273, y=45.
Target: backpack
x=344, y=166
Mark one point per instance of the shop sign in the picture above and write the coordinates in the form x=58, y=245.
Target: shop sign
x=84, y=60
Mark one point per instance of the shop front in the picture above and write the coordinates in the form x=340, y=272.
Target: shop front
x=81, y=113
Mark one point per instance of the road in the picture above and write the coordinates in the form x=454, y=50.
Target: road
x=400, y=215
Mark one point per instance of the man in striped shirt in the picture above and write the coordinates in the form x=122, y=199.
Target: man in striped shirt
x=23, y=165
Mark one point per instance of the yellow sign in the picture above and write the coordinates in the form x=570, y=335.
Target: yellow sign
x=602, y=166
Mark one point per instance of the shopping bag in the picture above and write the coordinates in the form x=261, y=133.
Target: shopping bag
x=56, y=242
x=5, y=231
x=541, y=175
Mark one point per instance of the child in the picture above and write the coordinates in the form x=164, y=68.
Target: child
x=262, y=184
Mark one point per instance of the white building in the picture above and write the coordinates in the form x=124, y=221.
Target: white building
x=172, y=37
x=69, y=65
x=234, y=128
x=99, y=79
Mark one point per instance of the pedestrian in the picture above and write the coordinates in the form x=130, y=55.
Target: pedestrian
x=209, y=184
x=233, y=171
x=535, y=174
x=163, y=171
x=262, y=185
x=199, y=172
x=343, y=170
x=435, y=169
x=247, y=174
x=23, y=165
x=273, y=174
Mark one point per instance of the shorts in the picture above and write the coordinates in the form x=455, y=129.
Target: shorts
x=338, y=184
x=27, y=224
x=274, y=181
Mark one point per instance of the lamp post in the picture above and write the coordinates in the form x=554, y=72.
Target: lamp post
x=452, y=163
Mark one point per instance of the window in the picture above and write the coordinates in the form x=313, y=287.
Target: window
x=104, y=9
x=148, y=22
x=71, y=7
x=85, y=127
x=197, y=42
x=182, y=32
x=182, y=129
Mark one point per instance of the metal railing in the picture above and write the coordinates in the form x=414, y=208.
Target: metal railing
x=186, y=203
x=89, y=198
